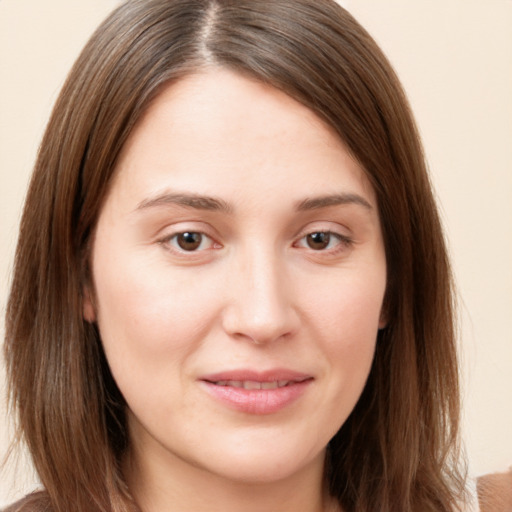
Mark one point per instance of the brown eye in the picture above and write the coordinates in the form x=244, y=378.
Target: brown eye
x=318, y=241
x=189, y=241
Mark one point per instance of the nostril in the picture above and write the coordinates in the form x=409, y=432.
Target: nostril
x=260, y=308
x=262, y=337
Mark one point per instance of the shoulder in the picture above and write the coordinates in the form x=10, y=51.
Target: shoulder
x=35, y=502
x=495, y=492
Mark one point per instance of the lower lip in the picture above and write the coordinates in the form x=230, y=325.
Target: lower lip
x=258, y=401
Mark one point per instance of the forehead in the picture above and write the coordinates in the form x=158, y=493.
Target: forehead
x=218, y=130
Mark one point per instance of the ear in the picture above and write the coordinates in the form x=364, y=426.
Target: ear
x=88, y=309
x=383, y=320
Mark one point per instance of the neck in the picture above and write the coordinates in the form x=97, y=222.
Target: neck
x=175, y=485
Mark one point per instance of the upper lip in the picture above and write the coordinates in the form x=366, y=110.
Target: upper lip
x=274, y=375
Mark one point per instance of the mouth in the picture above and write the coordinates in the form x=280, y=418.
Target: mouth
x=255, y=392
x=255, y=384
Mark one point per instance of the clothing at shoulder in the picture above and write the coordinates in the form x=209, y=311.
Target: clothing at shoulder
x=495, y=492
x=35, y=502
x=494, y=495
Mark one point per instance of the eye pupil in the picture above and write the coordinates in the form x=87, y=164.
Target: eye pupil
x=189, y=241
x=318, y=241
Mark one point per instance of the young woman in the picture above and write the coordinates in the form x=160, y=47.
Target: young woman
x=231, y=289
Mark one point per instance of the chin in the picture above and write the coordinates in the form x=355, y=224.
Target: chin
x=267, y=464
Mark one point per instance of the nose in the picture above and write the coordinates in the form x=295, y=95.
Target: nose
x=260, y=307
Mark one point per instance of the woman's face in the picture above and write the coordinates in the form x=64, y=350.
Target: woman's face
x=238, y=279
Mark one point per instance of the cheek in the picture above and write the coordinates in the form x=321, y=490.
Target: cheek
x=349, y=306
x=150, y=319
x=346, y=318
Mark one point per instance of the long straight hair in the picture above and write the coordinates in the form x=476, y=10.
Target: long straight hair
x=398, y=449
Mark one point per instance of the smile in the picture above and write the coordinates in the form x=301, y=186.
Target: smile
x=252, y=384
x=257, y=393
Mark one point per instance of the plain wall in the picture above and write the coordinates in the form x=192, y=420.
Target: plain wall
x=455, y=60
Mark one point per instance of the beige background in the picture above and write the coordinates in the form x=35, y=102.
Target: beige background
x=455, y=60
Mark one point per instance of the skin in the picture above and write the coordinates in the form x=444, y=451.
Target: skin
x=255, y=292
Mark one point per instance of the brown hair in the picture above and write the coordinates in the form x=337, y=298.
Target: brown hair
x=398, y=449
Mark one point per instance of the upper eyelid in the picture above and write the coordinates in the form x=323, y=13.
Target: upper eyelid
x=170, y=236
x=325, y=227
x=342, y=237
x=190, y=226
x=178, y=252
x=206, y=229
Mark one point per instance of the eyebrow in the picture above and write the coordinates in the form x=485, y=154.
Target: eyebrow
x=315, y=203
x=208, y=203
x=195, y=201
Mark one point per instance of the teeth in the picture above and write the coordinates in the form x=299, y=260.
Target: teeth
x=251, y=384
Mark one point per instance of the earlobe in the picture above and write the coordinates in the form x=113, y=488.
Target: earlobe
x=88, y=309
x=383, y=318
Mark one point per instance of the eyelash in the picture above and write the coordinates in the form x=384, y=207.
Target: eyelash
x=168, y=242
x=171, y=242
x=344, y=241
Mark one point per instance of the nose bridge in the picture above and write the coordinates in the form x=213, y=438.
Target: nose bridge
x=260, y=308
